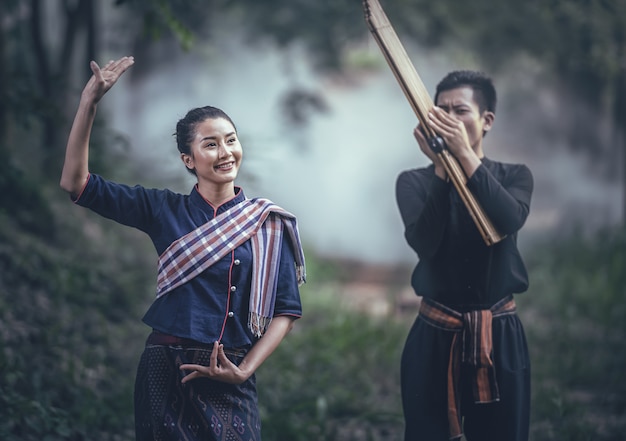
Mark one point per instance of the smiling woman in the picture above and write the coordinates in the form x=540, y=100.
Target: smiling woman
x=210, y=150
x=228, y=275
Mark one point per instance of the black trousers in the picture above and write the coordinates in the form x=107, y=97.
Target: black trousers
x=424, y=370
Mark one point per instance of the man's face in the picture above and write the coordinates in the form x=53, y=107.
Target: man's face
x=460, y=104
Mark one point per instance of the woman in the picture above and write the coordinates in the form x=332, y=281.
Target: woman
x=227, y=291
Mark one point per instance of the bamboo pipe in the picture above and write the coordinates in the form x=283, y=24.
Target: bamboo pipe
x=420, y=101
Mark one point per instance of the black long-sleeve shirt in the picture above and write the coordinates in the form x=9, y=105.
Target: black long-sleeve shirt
x=455, y=265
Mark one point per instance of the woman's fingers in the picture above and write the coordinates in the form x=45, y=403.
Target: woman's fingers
x=213, y=369
x=196, y=371
x=214, y=353
x=94, y=67
x=119, y=66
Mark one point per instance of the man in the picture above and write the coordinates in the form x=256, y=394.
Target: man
x=465, y=366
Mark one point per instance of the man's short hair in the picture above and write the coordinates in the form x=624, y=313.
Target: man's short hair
x=484, y=90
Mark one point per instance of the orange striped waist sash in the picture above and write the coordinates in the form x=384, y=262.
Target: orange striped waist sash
x=471, y=344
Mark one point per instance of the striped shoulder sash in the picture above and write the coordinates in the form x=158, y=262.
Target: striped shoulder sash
x=258, y=220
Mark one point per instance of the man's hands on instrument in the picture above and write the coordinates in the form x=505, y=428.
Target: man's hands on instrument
x=452, y=131
x=220, y=368
x=440, y=169
x=104, y=78
x=454, y=134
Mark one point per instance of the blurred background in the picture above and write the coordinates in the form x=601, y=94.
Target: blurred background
x=325, y=130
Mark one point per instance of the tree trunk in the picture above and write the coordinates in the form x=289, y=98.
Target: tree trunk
x=619, y=120
x=4, y=81
x=54, y=76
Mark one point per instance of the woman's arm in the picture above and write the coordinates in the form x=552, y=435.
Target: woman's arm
x=76, y=165
x=222, y=369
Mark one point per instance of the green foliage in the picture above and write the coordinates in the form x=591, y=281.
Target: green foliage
x=22, y=199
x=580, y=44
x=70, y=338
x=159, y=17
x=591, y=50
x=327, y=28
x=69, y=328
x=336, y=377
x=72, y=291
x=576, y=330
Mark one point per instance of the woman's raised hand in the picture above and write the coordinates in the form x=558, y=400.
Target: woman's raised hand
x=104, y=78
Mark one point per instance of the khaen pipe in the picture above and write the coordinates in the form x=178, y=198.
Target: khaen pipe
x=420, y=101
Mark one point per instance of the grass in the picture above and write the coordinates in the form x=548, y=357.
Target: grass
x=70, y=337
x=336, y=377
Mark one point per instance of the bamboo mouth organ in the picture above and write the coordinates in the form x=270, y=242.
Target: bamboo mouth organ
x=420, y=101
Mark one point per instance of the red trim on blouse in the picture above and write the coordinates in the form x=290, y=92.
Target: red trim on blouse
x=83, y=189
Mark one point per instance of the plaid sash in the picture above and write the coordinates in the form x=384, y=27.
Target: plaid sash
x=258, y=220
x=472, y=344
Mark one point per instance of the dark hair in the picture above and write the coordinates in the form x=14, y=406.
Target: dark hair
x=481, y=84
x=186, y=127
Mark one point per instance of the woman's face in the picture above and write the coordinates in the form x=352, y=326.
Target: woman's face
x=215, y=152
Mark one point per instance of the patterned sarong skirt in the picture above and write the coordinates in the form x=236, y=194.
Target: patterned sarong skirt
x=201, y=409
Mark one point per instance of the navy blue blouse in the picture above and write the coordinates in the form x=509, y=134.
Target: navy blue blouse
x=214, y=305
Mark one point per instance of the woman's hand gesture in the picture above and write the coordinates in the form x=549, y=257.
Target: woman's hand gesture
x=220, y=368
x=104, y=78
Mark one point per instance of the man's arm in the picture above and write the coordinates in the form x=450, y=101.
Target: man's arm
x=424, y=206
x=508, y=202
